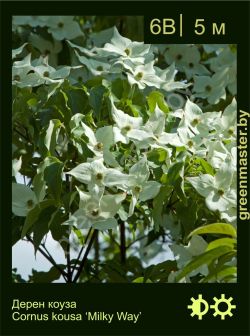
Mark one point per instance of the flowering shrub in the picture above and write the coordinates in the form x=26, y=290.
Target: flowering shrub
x=127, y=152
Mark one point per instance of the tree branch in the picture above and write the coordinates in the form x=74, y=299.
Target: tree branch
x=122, y=242
x=97, y=247
x=81, y=250
x=69, y=273
x=67, y=252
x=49, y=258
x=85, y=256
x=22, y=135
x=136, y=240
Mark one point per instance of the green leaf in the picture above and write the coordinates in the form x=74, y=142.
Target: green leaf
x=41, y=226
x=32, y=102
x=216, y=228
x=141, y=280
x=187, y=214
x=78, y=100
x=134, y=265
x=16, y=229
x=53, y=178
x=204, y=259
x=58, y=231
x=39, y=186
x=96, y=100
x=224, y=272
x=114, y=271
x=157, y=155
x=156, y=97
x=175, y=178
x=68, y=199
x=175, y=171
x=161, y=271
x=34, y=214
x=79, y=235
x=222, y=242
x=46, y=277
x=50, y=139
x=206, y=166
x=158, y=204
x=152, y=236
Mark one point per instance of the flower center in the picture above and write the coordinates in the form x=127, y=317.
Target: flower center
x=95, y=212
x=137, y=189
x=80, y=79
x=60, y=24
x=99, y=146
x=191, y=65
x=208, y=88
x=178, y=57
x=190, y=143
x=127, y=51
x=29, y=48
x=30, y=204
x=17, y=78
x=46, y=74
x=99, y=176
x=125, y=129
x=231, y=131
x=139, y=76
x=99, y=68
x=221, y=192
x=195, y=122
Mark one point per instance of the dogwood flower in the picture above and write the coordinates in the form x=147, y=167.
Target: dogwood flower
x=63, y=27
x=79, y=75
x=152, y=134
x=168, y=77
x=176, y=54
x=142, y=189
x=226, y=60
x=216, y=189
x=192, y=116
x=96, y=67
x=99, y=142
x=30, y=74
x=144, y=75
x=216, y=153
x=187, y=59
x=122, y=46
x=185, y=253
x=199, y=122
x=23, y=199
x=49, y=73
x=18, y=51
x=20, y=69
x=209, y=48
x=155, y=127
x=97, y=176
x=192, y=142
x=96, y=212
x=16, y=166
x=226, y=125
x=211, y=88
x=46, y=47
x=126, y=126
